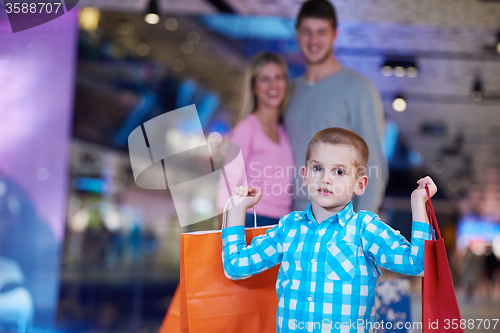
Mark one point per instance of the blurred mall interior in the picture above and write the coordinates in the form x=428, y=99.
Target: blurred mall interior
x=84, y=249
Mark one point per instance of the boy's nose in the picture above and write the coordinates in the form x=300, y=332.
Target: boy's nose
x=326, y=179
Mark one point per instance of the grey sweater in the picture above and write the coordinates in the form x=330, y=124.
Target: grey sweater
x=345, y=99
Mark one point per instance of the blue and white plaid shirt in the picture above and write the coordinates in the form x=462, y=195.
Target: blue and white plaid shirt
x=328, y=273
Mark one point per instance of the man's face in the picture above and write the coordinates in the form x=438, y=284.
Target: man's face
x=316, y=37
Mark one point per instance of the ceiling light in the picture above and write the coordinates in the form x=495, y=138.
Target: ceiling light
x=386, y=71
x=412, y=72
x=399, y=71
x=399, y=67
x=152, y=14
x=477, y=91
x=399, y=104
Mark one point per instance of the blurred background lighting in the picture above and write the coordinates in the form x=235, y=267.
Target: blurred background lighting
x=152, y=18
x=498, y=42
x=187, y=47
x=399, y=71
x=411, y=72
x=438, y=167
x=89, y=18
x=495, y=246
x=399, y=104
x=80, y=220
x=193, y=37
x=178, y=65
x=454, y=185
x=124, y=28
x=393, y=65
x=171, y=24
x=386, y=71
x=477, y=91
x=152, y=14
x=142, y=49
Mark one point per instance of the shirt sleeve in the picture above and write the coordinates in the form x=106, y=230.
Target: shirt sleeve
x=390, y=250
x=369, y=123
x=241, y=261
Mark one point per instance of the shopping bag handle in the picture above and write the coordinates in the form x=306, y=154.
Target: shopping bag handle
x=432, y=216
x=224, y=218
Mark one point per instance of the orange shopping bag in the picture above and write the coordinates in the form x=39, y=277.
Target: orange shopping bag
x=440, y=311
x=172, y=321
x=209, y=302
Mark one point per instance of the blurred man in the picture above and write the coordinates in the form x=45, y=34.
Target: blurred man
x=330, y=95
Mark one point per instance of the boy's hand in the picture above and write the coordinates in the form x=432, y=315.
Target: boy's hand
x=250, y=196
x=420, y=192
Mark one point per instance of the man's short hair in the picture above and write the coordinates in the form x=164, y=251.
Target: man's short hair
x=321, y=9
x=342, y=137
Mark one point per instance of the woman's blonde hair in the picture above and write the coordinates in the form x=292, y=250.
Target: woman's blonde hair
x=249, y=99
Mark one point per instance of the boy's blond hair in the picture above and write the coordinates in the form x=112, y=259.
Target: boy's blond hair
x=344, y=137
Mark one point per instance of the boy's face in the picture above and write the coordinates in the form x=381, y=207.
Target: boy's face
x=331, y=176
x=316, y=37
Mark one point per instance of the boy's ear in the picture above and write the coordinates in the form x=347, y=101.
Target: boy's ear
x=303, y=174
x=361, y=185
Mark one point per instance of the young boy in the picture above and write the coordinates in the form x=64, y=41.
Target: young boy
x=328, y=253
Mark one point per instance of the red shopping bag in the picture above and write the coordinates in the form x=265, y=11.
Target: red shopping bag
x=207, y=301
x=440, y=311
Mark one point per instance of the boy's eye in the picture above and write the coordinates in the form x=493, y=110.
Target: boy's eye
x=317, y=168
x=339, y=172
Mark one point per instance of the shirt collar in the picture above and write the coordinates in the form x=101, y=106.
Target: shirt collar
x=342, y=217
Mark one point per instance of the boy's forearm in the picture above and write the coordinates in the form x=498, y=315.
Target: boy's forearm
x=418, y=210
x=236, y=216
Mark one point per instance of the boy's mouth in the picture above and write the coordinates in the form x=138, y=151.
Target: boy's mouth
x=324, y=191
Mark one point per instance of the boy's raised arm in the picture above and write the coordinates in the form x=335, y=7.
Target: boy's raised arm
x=241, y=261
x=389, y=248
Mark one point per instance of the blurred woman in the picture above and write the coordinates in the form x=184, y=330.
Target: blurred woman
x=264, y=144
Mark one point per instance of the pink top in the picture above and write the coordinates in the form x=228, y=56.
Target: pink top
x=269, y=166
